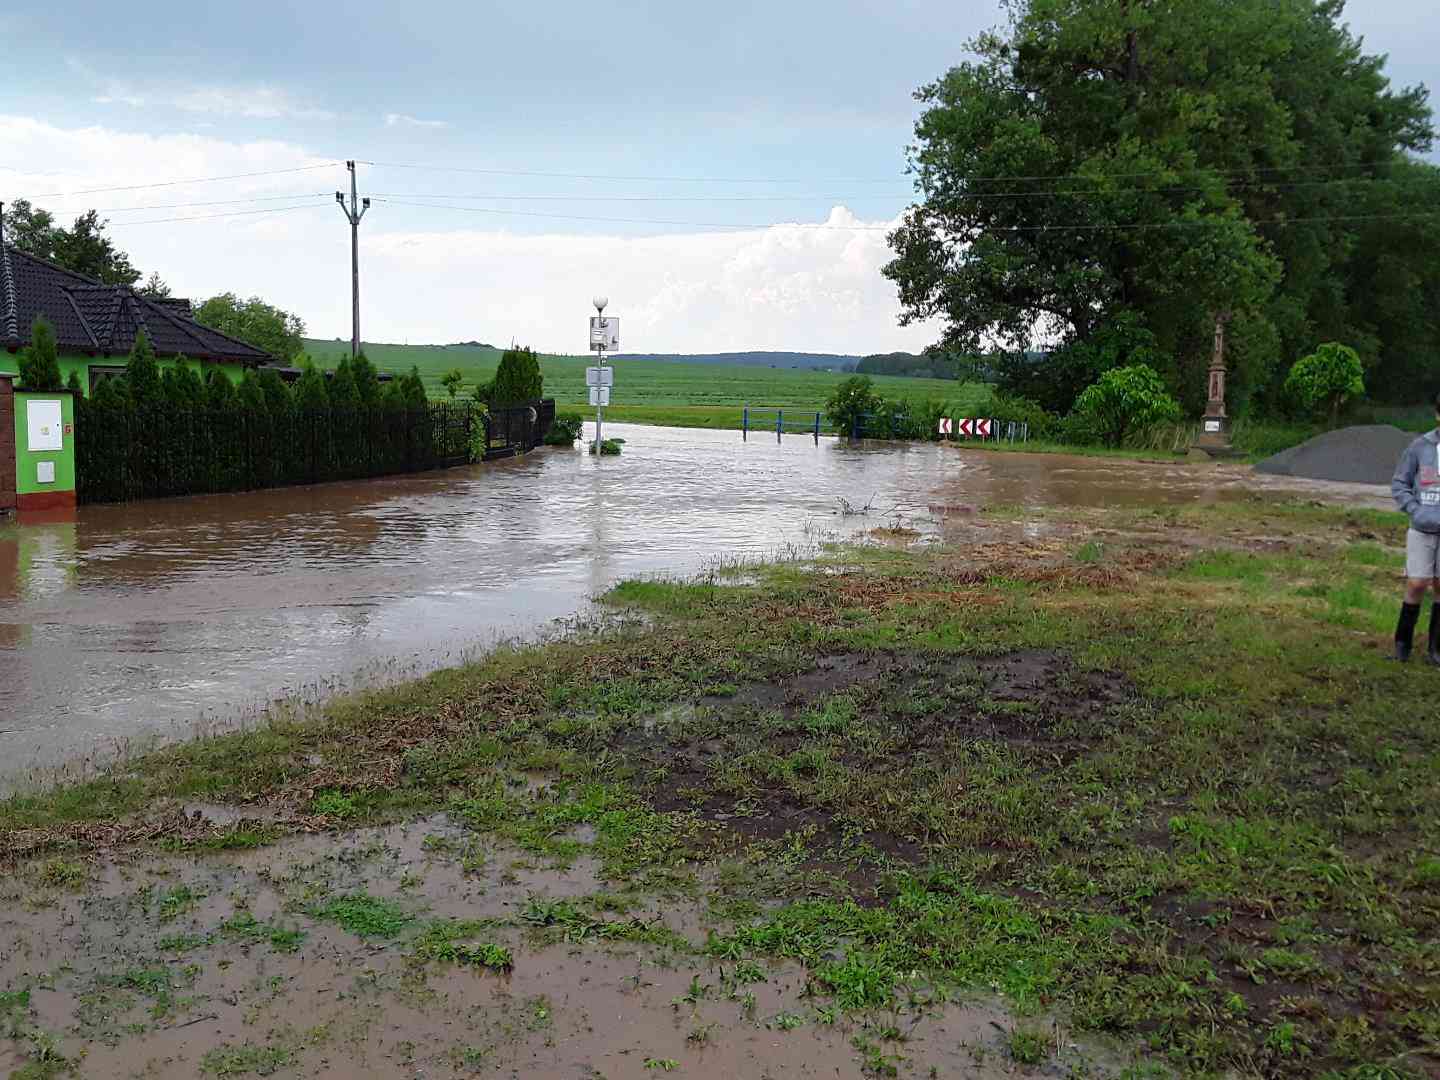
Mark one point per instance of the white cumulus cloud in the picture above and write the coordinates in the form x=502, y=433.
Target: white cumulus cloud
x=812, y=286
x=259, y=102
x=402, y=120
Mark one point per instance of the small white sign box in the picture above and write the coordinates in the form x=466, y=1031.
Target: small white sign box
x=599, y=376
x=45, y=472
x=43, y=426
x=599, y=395
x=604, y=333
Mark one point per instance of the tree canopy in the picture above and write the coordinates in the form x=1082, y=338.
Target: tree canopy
x=256, y=323
x=83, y=248
x=1157, y=163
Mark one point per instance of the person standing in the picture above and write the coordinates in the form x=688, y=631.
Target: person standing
x=1416, y=490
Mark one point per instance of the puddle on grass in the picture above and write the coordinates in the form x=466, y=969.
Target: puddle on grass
x=149, y=972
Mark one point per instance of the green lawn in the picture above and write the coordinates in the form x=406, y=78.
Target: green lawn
x=657, y=391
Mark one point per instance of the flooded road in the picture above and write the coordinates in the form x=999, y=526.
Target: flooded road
x=166, y=617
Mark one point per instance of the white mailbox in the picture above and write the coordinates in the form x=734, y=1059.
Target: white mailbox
x=45, y=472
x=43, y=425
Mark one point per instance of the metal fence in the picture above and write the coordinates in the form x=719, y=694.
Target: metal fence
x=518, y=429
x=796, y=422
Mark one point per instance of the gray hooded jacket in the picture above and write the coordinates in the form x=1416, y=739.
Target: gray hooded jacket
x=1416, y=483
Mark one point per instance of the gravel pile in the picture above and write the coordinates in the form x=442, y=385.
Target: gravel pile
x=1366, y=454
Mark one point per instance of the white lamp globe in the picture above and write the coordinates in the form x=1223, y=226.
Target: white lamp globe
x=601, y=302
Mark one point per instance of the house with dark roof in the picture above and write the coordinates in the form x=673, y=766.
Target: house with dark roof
x=95, y=324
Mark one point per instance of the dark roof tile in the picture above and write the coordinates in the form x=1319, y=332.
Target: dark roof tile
x=91, y=317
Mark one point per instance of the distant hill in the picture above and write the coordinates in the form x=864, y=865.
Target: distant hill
x=794, y=360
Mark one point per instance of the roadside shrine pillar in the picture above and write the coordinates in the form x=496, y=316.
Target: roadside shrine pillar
x=1215, y=425
x=37, y=450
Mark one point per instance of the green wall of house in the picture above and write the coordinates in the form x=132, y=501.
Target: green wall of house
x=27, y=460
x=80, y=365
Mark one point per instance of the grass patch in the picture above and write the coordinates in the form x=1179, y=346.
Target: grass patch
x=244, y=926
x=452, y=941
x=247, y=1059
x=364, y=915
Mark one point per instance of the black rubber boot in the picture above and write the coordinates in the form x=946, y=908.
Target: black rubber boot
x=1405, y=631
x=1432, y=653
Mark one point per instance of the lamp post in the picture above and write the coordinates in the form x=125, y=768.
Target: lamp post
x=600, y=302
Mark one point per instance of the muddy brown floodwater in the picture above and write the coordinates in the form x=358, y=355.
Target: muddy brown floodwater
x=181, y=967
x=162, y=618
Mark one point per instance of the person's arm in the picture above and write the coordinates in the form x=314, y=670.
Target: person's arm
x=1402, y=484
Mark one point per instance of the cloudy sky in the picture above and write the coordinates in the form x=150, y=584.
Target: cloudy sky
x=725, y=173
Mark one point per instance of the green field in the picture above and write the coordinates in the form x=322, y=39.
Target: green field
x=658, y=391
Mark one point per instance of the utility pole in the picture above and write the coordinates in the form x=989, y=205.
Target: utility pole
x=353, y=213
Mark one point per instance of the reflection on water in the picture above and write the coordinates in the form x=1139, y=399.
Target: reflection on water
x=136, y=618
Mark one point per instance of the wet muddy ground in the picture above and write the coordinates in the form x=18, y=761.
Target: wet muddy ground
x=174, y=617
x=365, y=955
x=907, y=813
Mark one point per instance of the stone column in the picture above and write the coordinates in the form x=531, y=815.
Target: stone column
x=1215, y=425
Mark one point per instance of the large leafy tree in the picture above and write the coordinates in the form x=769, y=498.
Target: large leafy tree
x=1165, y=161
x=30, y=228
x=255, y=322
x=83, y=247
x=86, y=249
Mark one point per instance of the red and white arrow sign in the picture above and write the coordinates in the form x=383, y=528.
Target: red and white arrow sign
x=982, y=428
x=967, y=428
x=945, y=426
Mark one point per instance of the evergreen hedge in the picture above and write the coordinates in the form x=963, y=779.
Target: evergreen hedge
x=149, y=433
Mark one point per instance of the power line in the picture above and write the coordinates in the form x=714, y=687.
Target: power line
x=1054, y=193
x=607, y=176
x=627, y=221
x=228, y=214
x=189, y=180
x=635, y=198
x=1269, y=170
x=1120, y=227
x=1215, y=223
x=211, y=202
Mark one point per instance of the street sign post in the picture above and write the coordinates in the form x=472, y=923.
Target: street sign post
x=604, y=334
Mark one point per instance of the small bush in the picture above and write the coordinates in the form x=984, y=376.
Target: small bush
x=39, y=363
x=851, y=402
x=566, y=429
x=1325, y=380
x=517, y=379
x=609, y=447
x=1122, y=402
